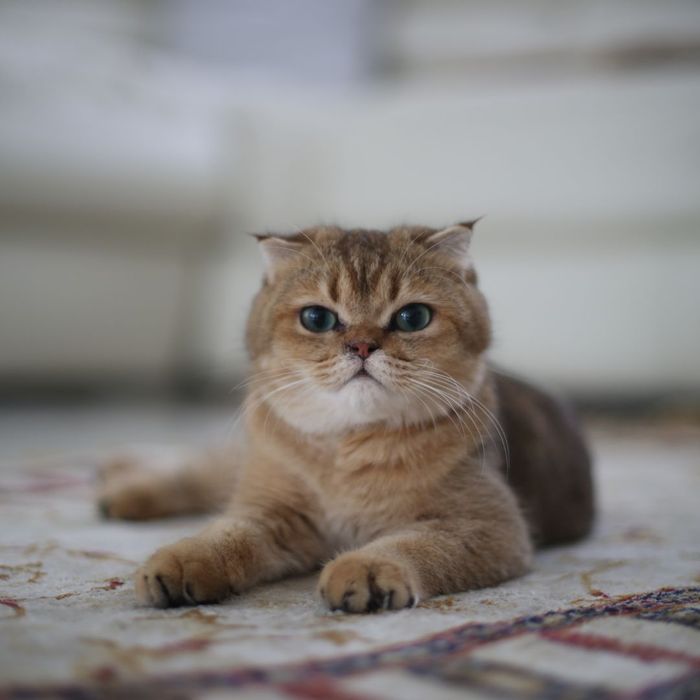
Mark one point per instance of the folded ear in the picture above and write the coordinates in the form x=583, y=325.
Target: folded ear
x=276, y=251
x=454, y=241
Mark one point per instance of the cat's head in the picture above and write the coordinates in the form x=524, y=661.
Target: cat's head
x=358, y=327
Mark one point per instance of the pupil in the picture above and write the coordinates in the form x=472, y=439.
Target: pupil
x=412, y=316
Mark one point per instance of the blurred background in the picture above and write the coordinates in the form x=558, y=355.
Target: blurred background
x=141, y=141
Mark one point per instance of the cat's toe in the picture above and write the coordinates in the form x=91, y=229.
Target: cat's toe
x=357, y=584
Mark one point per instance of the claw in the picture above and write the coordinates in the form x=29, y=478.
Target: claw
x=166, y=593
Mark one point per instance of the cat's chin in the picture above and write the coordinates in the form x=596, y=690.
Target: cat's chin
x=361, y=401
x=363, y=392
x=362, y=378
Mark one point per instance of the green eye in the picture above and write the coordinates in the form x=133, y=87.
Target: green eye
x=318, y=319
x=413, y=317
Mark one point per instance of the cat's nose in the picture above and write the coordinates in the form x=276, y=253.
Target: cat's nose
x=361, y=348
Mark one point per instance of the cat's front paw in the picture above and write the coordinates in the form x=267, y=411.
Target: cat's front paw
x=189, y=572
x=358, y=583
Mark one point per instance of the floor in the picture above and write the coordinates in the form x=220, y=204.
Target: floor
x=69, y=622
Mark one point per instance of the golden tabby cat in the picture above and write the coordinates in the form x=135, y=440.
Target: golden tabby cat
x=379, y=444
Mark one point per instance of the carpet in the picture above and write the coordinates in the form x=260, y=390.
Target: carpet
x=616, y=616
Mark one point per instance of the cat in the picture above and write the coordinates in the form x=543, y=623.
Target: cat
x=379, y=443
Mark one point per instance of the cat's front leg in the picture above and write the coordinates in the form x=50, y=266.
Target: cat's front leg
x=228, y=557
x=423, y=560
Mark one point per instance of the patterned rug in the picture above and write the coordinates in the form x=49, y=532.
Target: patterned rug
x=643, y=646
x=617, y=616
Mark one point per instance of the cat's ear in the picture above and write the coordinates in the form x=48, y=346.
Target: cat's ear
x=276, y=251
x=454, y=241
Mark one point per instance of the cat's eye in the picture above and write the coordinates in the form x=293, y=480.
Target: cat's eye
x=413, y=317
x=318, y=319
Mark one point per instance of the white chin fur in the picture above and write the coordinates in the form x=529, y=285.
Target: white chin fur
x=352, y=401
x=359, y=402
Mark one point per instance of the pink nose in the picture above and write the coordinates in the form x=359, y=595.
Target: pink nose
x=361, y=348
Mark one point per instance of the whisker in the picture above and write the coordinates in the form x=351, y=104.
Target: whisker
x=451, y=272
x=405, y=250
x=304, y=391
x=251, y=403
x=262, y=375
x=315, y=245
x=446, y=406
x=448, y=381
x=459, y=408
x=446, y=403
x=288, y=249
x=417, y=395
x=415, y=260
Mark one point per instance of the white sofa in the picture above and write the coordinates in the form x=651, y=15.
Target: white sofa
x=128, y=185
x=590, y=246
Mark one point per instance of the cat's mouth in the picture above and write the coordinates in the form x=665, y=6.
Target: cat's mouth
x=363, y=375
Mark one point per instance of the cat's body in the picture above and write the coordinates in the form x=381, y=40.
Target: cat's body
x=376, y=433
